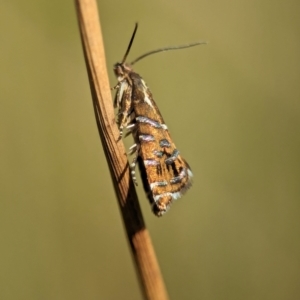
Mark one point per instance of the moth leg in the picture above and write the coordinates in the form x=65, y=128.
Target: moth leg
x=121, y=132
x=115, y=87
x=117, y=98
x=134, y=149
x=123, y=121
x=123, y=102
x=126, y=118
x=130, y=129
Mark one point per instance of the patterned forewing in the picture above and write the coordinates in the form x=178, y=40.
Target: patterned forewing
x=168, y=174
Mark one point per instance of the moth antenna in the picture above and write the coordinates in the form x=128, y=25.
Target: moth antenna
x=167, y=49
x=130, y=43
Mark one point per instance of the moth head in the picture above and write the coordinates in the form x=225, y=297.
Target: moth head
x=121, y=70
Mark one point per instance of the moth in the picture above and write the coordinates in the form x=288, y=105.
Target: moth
x=165, y=174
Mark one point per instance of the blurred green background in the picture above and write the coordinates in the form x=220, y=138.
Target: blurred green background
x=233, y=109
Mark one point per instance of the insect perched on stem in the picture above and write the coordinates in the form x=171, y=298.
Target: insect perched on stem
x=165, y=174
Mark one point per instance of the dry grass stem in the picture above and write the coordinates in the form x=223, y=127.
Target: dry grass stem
x=140, y=243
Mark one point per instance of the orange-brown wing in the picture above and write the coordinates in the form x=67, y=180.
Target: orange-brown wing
x=168, y=174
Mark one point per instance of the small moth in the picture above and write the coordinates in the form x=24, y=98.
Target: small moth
x=165, y=174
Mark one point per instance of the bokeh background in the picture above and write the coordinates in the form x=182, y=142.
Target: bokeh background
x=233, y=109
